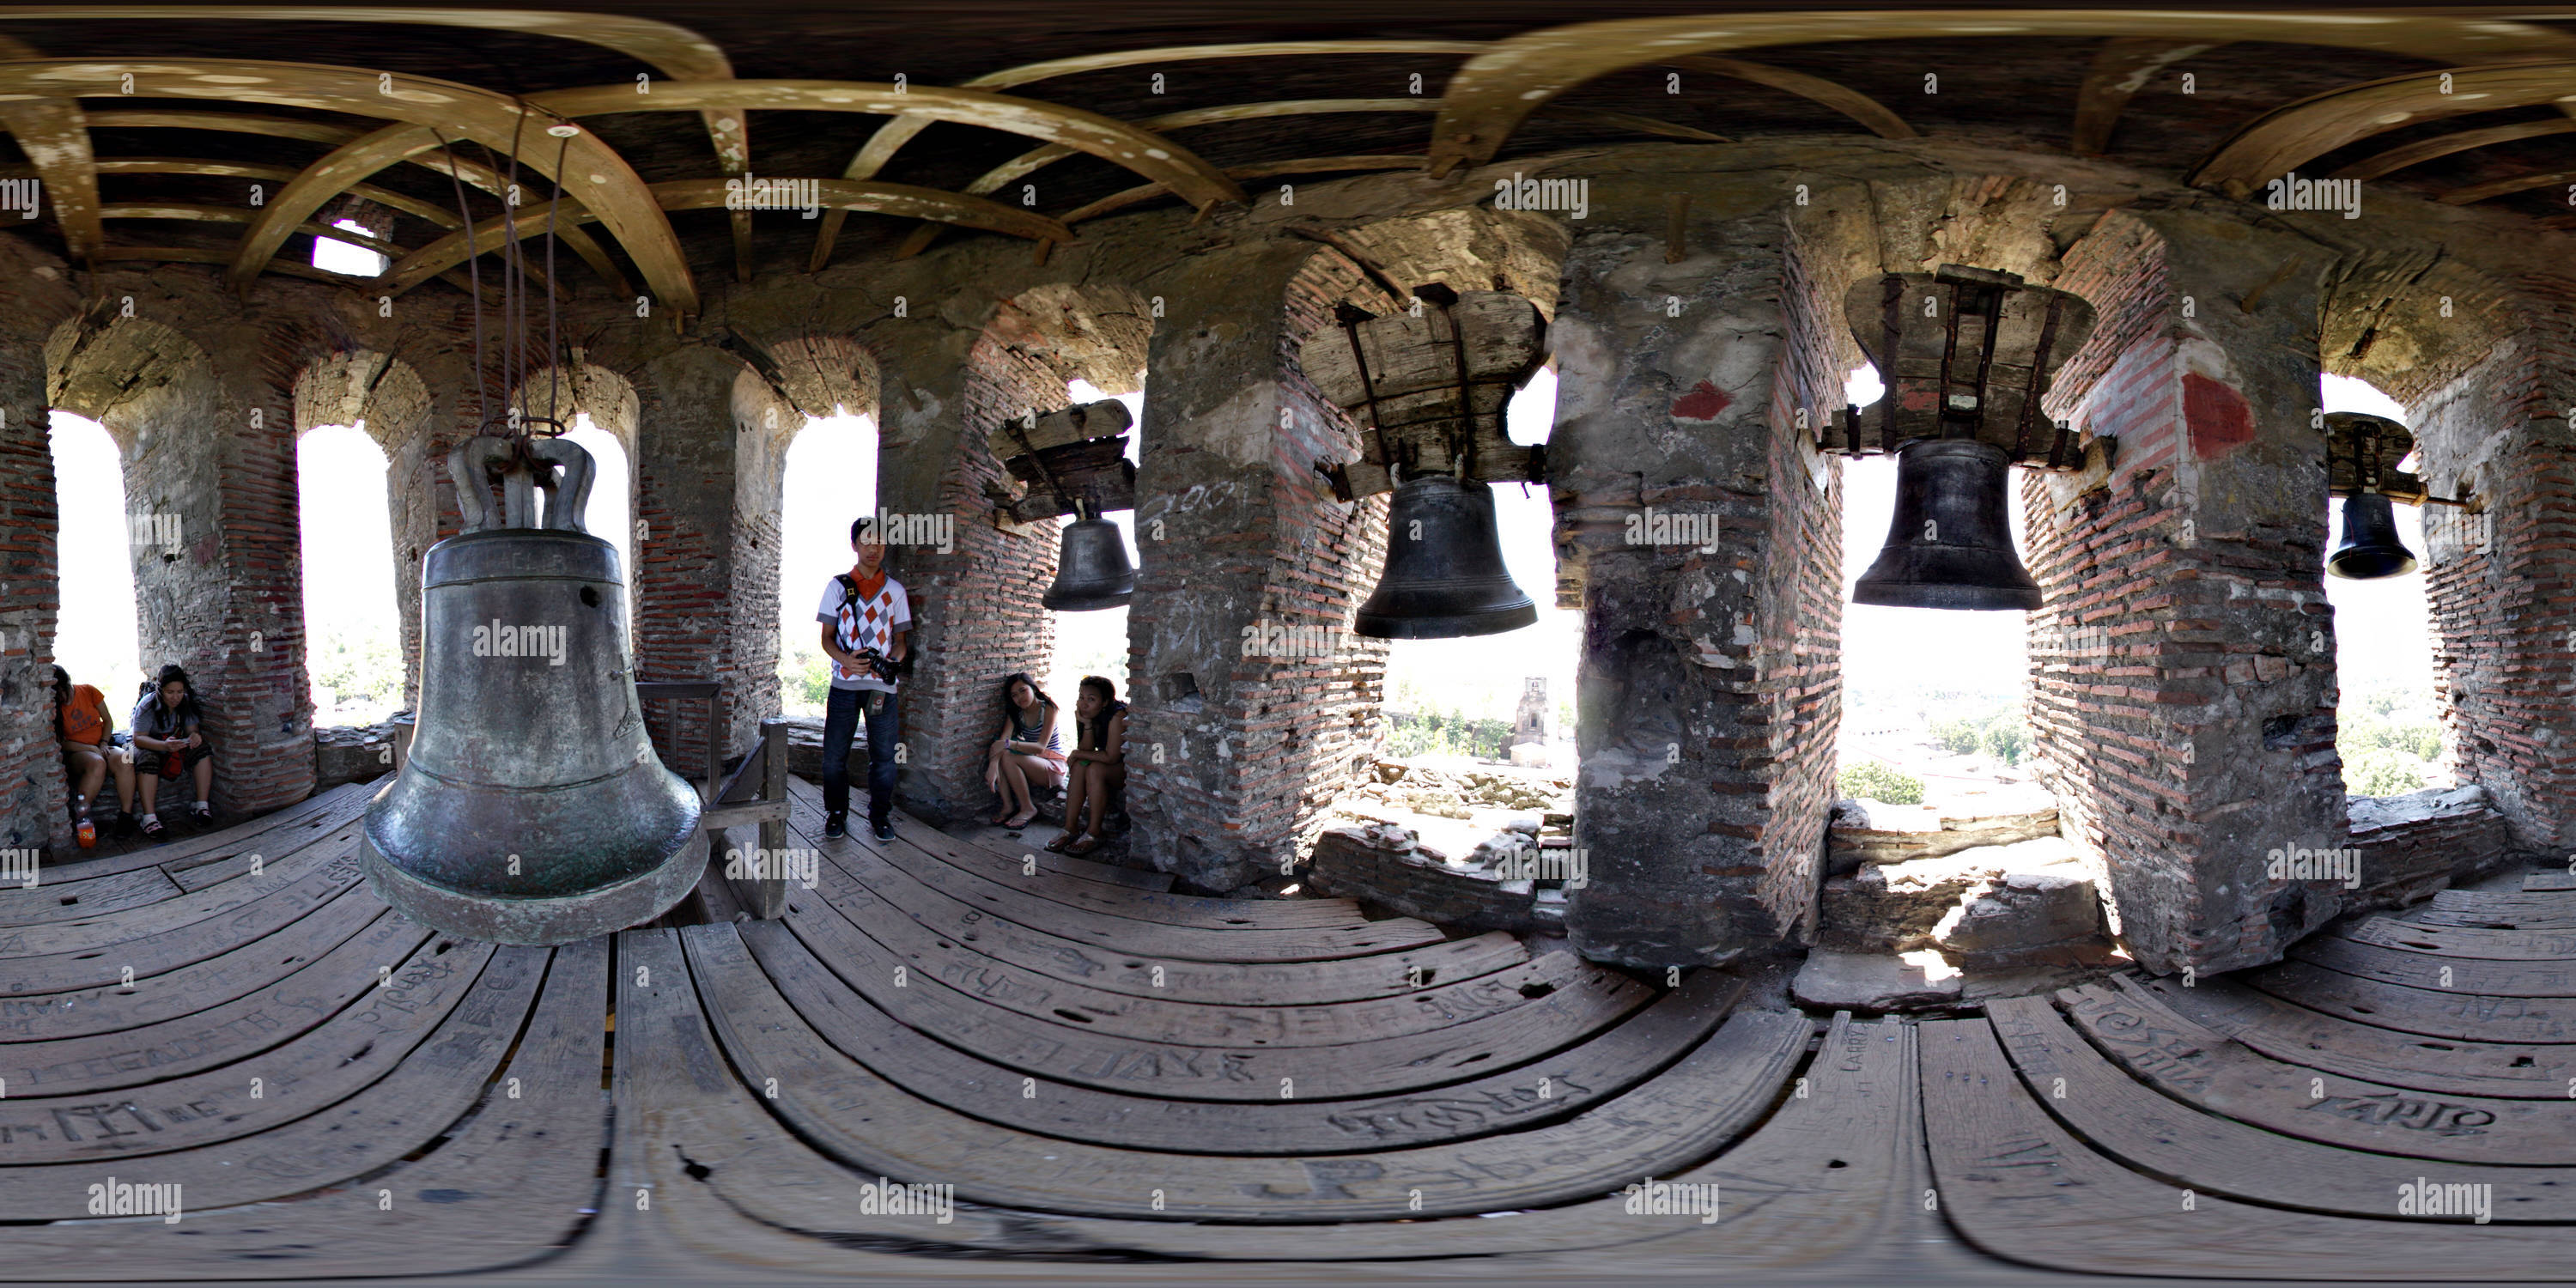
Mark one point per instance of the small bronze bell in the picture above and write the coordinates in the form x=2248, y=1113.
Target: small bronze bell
x=533, y=809
x=1950, y=544
x=2370, y=548
x=1444, y=567
x=1091, y=568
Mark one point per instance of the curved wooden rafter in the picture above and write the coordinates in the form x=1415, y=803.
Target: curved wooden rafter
x=603, y=180
x=429, y=212
x=2507, y=187
x=2287, y=137
x=1878, y=117
x=713, y=194
x=1498, y=89
x=2423, y=150
x=873, y=155
x=1117, y=201
x=51, y=131
x=673, y=51
x=1105, y=137
x=2121, y=68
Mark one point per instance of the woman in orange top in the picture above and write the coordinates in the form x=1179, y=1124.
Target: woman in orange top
x=87, y=731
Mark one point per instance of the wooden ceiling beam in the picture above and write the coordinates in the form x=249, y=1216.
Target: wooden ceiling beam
x=673, y=51
x=714, y=194
x=2121, y=68
x=1117, y=201
x=2505, y=187
x=2442, y=145
x=873, y=155
x=2287, y=137
x=1876, y=116
x=1498, y=89
x=391, y=200
x=601, y=179
x=49, y=128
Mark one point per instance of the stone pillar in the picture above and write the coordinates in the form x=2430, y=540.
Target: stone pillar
x=692, y=622
x=1233, y=752
x=2499, y=581
x=1708, y=695
x=2183, y=666
x=976, y=615
x=32, y=791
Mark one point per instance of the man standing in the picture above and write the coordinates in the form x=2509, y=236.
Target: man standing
x=867, y=625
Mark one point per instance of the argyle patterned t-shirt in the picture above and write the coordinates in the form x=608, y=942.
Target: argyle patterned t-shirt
x=869, y=622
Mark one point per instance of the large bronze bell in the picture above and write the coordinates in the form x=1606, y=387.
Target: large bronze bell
x=1444, y=567
x=1091, y=569
x=533, y=809
x=2370, y=547
x=1950, y=544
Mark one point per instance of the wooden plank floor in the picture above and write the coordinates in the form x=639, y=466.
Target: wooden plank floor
x=1110, y=1082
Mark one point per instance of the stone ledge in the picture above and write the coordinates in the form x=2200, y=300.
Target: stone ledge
x=1383, y=864
x=2415, y=844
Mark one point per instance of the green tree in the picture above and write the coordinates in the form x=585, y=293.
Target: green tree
x=1874, y=780
x=2383, y=771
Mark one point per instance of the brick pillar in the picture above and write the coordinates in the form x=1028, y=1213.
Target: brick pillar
x=2183, y=667
x=693, y=620
x=976, y=615
x=208, y=444
x=2500, y=585
x=1709, y=693
x=32, y=790
x=1232, y=758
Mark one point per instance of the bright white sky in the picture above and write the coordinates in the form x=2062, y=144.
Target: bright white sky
x=830, y=479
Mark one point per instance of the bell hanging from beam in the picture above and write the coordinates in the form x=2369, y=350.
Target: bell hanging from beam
x=533, y=809
x=1091, y=568
x=2370, y=548
x=1444, y=567
x=1950, y=544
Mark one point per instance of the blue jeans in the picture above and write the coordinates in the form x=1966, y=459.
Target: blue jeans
x=841, y=721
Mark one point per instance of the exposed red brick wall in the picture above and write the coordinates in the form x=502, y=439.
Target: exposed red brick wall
x=32, y=790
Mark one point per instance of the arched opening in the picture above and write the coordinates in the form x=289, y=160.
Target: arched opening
x=830, y=478
x=2388, y=727
x=352, y=622
x=1095, y=642
x=95, y=636
x=1483, y=726
x=1935, y=702
x=609, y=515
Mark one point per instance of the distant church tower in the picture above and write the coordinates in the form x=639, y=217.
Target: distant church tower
x=1530, y=724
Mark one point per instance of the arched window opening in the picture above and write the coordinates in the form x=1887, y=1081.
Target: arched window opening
x=1095, y=643
x=334, y=255
x=352, y=623
x=2388, y=723
x=830, y=479
x=1484, y=725
x=1935, y=701
x=610, y=514
x=95, y=632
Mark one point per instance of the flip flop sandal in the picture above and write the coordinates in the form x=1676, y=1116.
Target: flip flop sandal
x=156, y=828
x=1084, y=846
x=1019, y=821
x=1057, y=845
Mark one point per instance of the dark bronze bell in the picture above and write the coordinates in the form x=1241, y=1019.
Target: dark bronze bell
x=533, y=809
x=1444, y=567
x=1950, y=544
x=2370, y=547
x=1091, y=569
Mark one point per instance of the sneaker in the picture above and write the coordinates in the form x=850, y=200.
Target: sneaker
x=835, y=826
x=884, y=828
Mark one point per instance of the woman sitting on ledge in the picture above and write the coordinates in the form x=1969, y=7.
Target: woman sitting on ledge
x=169, y=745
x=88, y=735
x=1027, y=754
x=1099, y=764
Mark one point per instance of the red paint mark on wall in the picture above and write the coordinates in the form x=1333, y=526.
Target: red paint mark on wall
x=2217, y=416
x=1703, y=402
